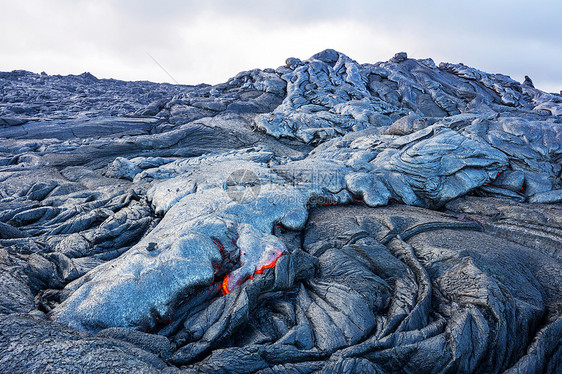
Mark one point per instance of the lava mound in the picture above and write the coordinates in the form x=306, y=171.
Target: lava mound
x=322, y=217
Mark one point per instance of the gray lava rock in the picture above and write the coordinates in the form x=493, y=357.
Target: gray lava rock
x=325, y=216
x=31, y=344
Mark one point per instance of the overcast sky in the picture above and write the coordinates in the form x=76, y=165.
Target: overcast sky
x=209, y=41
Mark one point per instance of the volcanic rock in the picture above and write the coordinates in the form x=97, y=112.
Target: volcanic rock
x=322, y=217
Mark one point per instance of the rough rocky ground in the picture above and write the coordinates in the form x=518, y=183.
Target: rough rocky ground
x=322, y=217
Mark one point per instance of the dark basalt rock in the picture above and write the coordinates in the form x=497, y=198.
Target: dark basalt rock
x=322, y=217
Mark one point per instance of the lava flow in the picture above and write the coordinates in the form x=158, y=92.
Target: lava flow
x=225, y=289
x=269, y=265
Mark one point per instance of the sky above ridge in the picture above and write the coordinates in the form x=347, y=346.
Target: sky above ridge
x=192, y=42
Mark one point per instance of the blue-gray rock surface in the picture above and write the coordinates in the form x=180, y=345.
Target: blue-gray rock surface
x=322, y=217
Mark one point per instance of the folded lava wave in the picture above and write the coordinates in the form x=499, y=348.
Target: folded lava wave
x=323, y=217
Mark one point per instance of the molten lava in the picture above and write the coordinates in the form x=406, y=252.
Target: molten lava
x=219, y=246
x=225, y=289
x=268, y=266
x=271, y=264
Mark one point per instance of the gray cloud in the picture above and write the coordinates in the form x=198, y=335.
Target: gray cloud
x=208, y=41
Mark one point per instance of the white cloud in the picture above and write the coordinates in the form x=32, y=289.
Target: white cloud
x=210, y=41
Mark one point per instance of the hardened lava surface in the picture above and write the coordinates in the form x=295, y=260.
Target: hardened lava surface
x=322, y=217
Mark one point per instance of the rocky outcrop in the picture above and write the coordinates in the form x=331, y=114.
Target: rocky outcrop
x=325, y=216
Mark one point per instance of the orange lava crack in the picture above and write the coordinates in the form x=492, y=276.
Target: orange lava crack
x=226, y=290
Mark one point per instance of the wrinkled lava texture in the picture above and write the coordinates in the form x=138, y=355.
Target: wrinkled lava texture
x=322, y=217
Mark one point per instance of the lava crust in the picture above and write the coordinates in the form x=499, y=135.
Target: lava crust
x=321, y=217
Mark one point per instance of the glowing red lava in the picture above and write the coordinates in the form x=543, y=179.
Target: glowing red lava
x=219, y=246
x=226, y=290
x=326, y=204
x=268, y=266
